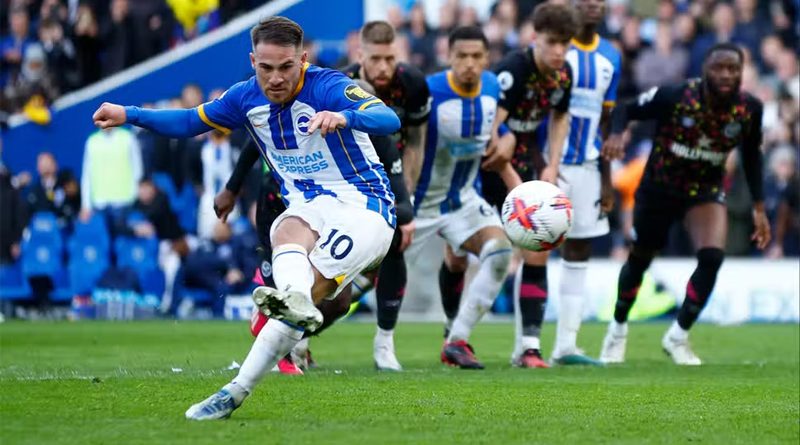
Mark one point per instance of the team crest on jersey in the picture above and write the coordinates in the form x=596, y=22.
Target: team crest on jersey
x=687, y=122
x=732, y=130
x=505, y=80
x=266, y=269
x=556, y=96
x=301, y=123
x=355, y=93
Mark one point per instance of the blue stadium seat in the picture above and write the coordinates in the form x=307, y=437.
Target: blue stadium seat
x=42, y=247
x=141, y=255
x=136, y=253
x=185, y=208
x=13, y=286
x=88, y=250
x=166, y=185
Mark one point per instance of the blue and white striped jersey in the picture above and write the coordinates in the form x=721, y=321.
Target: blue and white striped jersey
x=459, y=127
x=596, y=71
x=343, y=164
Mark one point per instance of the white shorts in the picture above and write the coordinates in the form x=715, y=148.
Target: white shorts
x=351, y=239
x=581, y=183
x=455, y=227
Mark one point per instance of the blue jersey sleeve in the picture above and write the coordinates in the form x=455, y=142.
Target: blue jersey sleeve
x=225, y=113
x=610, y=98
x=363, y=111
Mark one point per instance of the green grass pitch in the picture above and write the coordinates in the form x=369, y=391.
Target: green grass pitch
x=113, y=383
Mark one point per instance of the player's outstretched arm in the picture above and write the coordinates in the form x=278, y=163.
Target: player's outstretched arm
x=753, y=164
x=173, y=123
x=377, y=120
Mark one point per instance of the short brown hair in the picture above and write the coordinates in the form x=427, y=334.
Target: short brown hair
x=557, y=20
x=377, y=32
x=277, y=30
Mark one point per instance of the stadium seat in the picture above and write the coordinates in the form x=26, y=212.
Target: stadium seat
x=164, y=183
x=88, y=250
x=42, y=247
x=13, y=286
x=141, y=255
x=136, y=253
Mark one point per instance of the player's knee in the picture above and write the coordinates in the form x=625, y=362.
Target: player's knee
x=497, y=252
x=710, y=258
x=640, y=259
x=456, y=264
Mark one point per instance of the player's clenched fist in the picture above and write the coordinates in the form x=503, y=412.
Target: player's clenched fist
x=327, y=122
x=109, y=115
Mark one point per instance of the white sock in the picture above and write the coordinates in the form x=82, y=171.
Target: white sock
x=385, y=333
x=529, y=342
x=618, y=329
x=517, y=313
x=677, y=333
x=570, y=306
x=301, y=348
x=291, y=269
x=274, y=341
x=482, y=291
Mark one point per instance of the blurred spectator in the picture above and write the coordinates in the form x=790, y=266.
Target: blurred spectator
x=173, y=156
x=12, y=218
x=787, y=222
x=421, y=39
x=751, y=26
x=161, y=223
x=33, y=88
x=781, y=170
x=665, y=14
x=216, y=266
x=630, y=47
x=14, y=46
x=60, y=55
x=112, y=167
x=54, y=191
x=663, y=64
x=723, y=26
x=86, y=35
x=118, y=38
x=194, y=18
x=216, y=160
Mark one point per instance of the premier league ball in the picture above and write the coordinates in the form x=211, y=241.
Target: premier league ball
x=537, y=216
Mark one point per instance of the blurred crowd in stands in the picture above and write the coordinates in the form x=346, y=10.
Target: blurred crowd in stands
x=144, y=186
x=51, y=47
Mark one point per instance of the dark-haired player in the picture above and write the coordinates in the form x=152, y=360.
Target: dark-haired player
x=699, y=123
x=446, y=201
x=535, y=83
x=402, y=87
x=312, y=125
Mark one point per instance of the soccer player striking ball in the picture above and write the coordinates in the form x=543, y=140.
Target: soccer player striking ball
x=312, y=125
x=446, y=202
x=585, y=175
x=698, y=124
x=403, y=88
x=536, y=84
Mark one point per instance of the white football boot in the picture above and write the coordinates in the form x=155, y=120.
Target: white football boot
x=289, y=306
x=383, y=352
x=680, y=351
x=613, y=351
x=219, y=405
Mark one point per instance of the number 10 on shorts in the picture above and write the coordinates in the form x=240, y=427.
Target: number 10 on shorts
x=341, y=247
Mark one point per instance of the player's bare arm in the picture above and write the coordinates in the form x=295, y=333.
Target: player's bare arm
x=414, y=155
x=497, y=155
x=559, y=128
